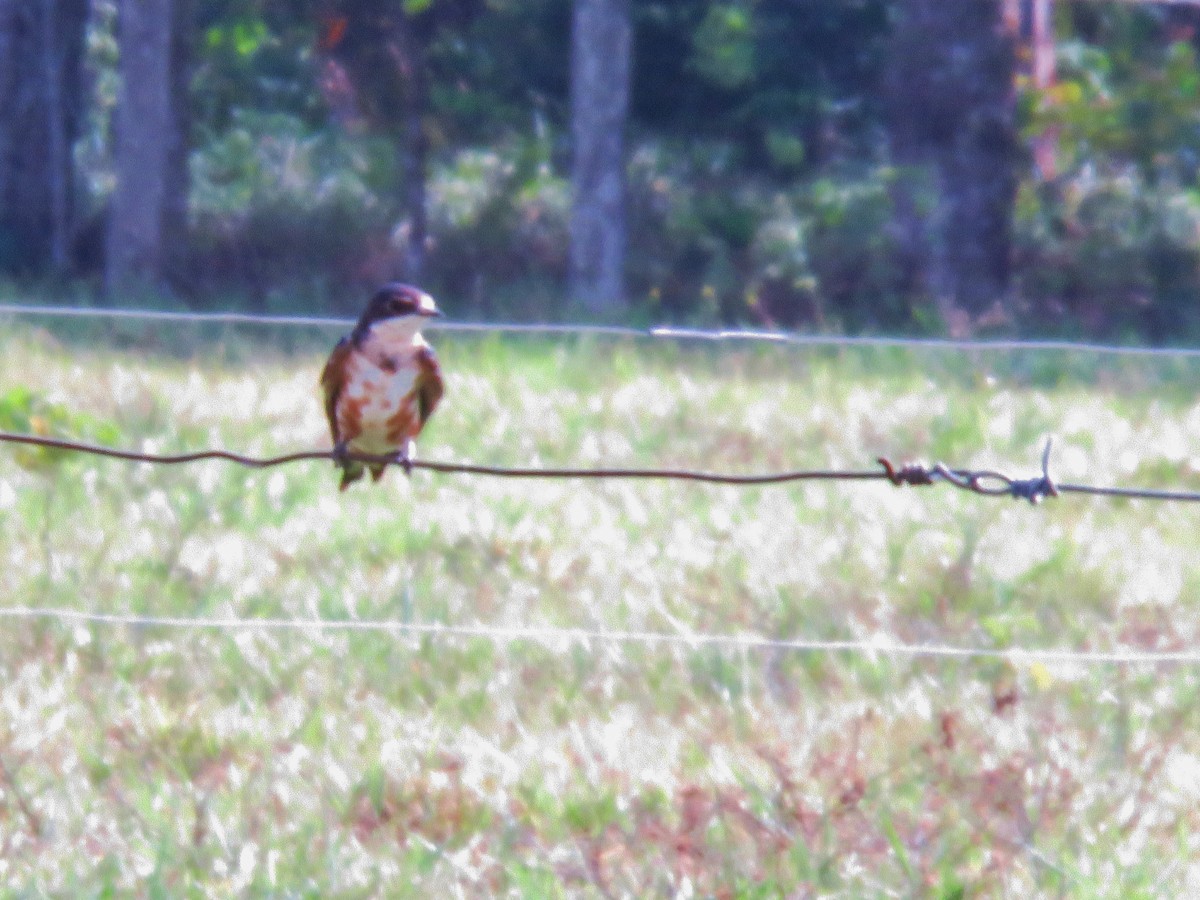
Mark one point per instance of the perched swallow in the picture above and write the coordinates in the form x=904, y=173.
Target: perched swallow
x=382, y=382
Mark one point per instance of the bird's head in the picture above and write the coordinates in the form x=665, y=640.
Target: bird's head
x=396, y=308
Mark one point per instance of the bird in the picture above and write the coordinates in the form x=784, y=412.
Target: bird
x=382, y=382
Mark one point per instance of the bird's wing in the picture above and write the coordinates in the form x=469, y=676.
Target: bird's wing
x=332, y=382
x=429, y=383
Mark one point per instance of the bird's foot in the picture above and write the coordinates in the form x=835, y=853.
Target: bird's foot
x=341, y=454
x=405, y=456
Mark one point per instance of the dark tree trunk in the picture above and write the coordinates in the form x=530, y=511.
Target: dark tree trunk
x=178, y=192
x=601, y=56
x=149, y=204
x=10, y=104
x=41, y=48
x=951, y=120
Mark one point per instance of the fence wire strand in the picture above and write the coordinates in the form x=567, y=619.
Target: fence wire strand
x=665, y=332
x=985, y=482
x=501, y=634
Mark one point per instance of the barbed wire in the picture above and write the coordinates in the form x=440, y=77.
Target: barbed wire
x=667, y=332
x=881, y=646
x=985, y=482
x=433, y=466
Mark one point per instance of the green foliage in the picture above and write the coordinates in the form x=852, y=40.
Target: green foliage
x=761, y=75
x=498, y=218
x=253, y=58
x=818, y=254
x=1114, y=256
x=25, y=411
x=243, y=38
x=854, y=258
x=502, y=76
x=759, y=192
x=286, y=217
x=723, y=46
x=1101, y=113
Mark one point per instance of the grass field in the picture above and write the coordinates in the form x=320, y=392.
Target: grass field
x=168, y=762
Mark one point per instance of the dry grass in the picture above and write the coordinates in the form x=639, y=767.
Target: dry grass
x=174, y=763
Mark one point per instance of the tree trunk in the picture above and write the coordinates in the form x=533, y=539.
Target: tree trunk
x=951, y=115
x=41, y=48
x=9, y=127
x=601, y=57
x=1045, y=145
x=178, y=192
x=149, y=204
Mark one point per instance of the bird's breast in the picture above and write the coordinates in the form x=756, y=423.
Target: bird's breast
x=378, y=404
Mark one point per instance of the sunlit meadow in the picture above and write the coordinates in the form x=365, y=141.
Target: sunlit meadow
x=177, y=762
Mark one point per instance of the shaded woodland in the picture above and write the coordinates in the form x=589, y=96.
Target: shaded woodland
x=1010, y=166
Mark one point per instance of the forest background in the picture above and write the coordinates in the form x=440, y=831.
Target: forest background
x=985, y=166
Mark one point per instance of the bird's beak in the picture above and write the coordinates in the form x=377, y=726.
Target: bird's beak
x=428, y=308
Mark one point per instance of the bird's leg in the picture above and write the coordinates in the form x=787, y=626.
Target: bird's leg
x=405, y=456
x=341, y=454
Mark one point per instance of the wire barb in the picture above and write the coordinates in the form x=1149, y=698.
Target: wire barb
x=1036, y=489
x=978, y=481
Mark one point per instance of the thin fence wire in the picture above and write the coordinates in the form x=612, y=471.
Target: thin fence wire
x=565, y=637
x=665, y=332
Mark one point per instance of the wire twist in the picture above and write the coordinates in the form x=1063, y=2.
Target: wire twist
x=976, y=481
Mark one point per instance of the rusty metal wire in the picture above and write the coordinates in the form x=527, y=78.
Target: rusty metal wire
x=444, y=467
x=985, y=482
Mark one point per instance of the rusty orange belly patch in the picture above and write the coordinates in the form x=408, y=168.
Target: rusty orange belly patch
x=377, y=411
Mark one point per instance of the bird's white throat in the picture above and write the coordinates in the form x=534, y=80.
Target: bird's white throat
x=402, y=331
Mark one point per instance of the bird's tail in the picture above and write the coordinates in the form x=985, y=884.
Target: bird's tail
x=351, y=472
